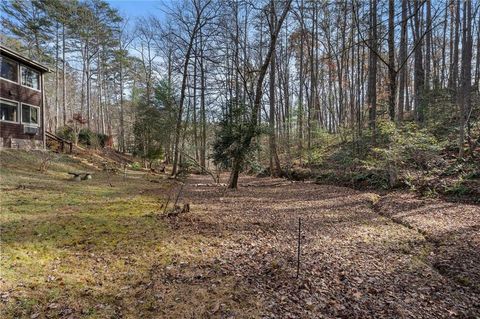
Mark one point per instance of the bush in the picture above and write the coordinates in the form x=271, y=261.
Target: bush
x=255, y=167
x=458, y=189
x=231, y=135
x=85, y=136
x=136, y=166
x=185, y=167
x=323, y=142
x=402, y=147
x=377, y=179
x=66, y=132
x=92, y=139
x=102, y=138
x=473, y=175
x=326, y=177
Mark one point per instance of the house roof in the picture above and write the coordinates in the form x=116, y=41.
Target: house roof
x=22, y=59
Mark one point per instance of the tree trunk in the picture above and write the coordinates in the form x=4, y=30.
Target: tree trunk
x=203, y=143
x=194, y=120
x=122, y=111
x=300, y=93
x=444, y=47
x=87, y=74
x=186, y=61
x=57, y=57
x=454, y=62
x=275, y=168
x=428, y=47
x=372, y=71
x=64, y=77
x=464, y=96
x=477, y=68
x=419, y=73
x=403, y=62
x=391, y=60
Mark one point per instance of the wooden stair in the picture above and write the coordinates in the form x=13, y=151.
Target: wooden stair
x=61, y=141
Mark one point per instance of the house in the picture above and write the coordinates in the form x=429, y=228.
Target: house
x=22, y=116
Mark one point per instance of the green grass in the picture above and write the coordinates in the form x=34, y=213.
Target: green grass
x=98, y=248
x=72, y=246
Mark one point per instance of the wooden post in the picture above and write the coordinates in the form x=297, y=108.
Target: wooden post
x=44, y=138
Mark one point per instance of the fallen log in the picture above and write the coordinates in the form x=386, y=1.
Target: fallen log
x=267, y=185
x=209, y=185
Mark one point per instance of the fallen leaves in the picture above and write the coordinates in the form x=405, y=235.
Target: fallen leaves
x=355, y=263
x=452, y=228
x=234, y=256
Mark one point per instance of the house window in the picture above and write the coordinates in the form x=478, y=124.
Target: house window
x=8, y=111
x=8, y=69
x=30, y=78
x=29, y=114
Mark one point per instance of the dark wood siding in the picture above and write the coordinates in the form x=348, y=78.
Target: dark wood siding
x=15, y=92
x=15, y=130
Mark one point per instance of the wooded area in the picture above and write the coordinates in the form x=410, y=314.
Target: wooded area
x=253, y=83
x=241, y=159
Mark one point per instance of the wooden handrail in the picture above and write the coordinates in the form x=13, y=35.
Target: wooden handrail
x=59, y=139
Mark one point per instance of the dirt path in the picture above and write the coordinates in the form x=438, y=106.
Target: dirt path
x=355, y=262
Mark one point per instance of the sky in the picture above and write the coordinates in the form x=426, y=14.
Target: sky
x=137, y=8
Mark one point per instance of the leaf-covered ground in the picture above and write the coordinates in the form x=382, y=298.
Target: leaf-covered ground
x=355, y=263
x=452, y=228
x=104, y=249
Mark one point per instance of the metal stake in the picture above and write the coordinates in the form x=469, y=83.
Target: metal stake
x=298, y=248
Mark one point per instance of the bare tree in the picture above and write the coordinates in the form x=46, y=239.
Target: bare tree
x=464, y=96
x=202, y=13
x=372, y=70
x=246, y=141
